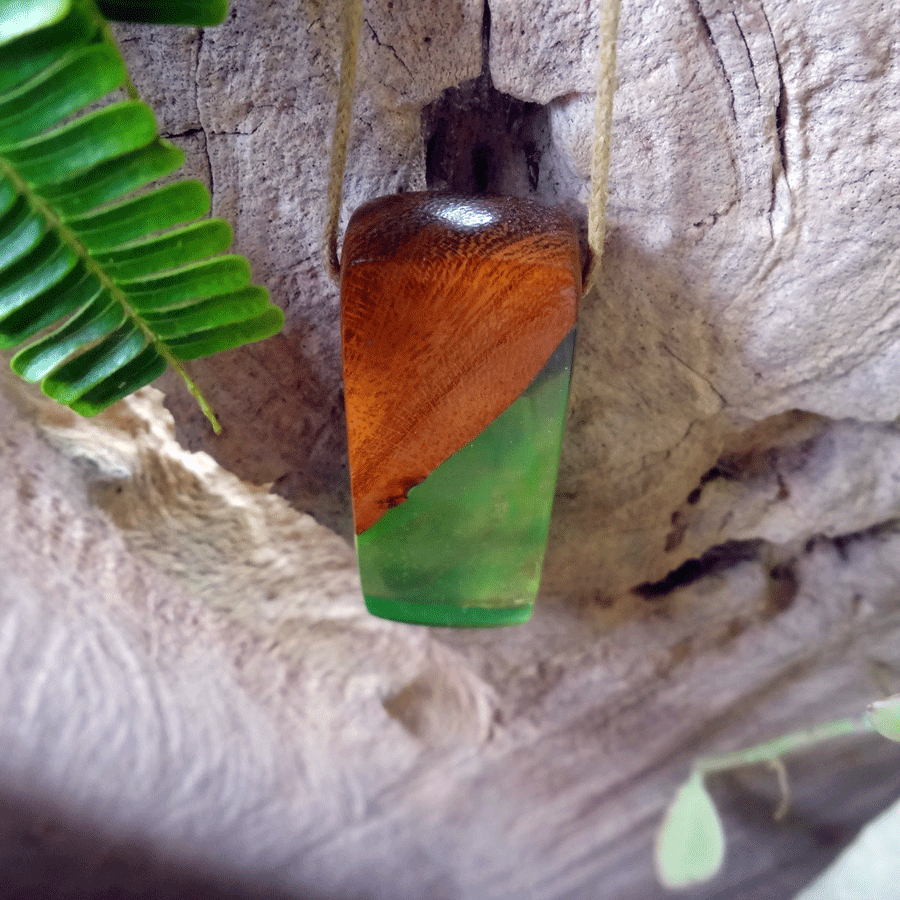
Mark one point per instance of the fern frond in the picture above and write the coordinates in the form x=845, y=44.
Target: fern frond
x=126, y=280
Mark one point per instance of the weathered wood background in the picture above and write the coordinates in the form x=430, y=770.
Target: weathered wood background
x=188, y=668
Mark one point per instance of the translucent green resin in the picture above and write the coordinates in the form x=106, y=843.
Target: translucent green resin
x=466, y=548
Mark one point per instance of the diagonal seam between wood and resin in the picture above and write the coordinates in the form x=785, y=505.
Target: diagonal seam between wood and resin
x=451, y=306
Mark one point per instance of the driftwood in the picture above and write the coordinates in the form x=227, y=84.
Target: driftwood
x=188, y=666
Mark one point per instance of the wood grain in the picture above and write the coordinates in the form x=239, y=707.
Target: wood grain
x=450, y=307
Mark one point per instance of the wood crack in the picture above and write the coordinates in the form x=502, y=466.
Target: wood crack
x=780, y=120
x=389, y=47
x=693, y=371
x=737, y=24
x=781, y=108
x=707, y=31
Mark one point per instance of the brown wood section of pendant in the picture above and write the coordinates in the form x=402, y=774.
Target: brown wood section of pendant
x=449, y=308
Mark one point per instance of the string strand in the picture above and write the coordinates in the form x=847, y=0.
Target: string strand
x=351, y=26
x=606, y=88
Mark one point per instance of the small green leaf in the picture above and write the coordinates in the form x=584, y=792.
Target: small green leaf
x=227, y=337
x=88, y=369
x=79, y=78
x=199, y=13
x=91, y=139
x=146, y=366
x=204, y=279
x=28, y=55
x=74, y=291
x=134, y=218
x=21, y=282
x=114, y=179
x=20, y=17
x=690, y=845
x=100, y=317
x=196, y=319
x=20, y=233
x=884, y=717
x=174, y=249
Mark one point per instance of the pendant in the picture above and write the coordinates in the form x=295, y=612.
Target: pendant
x=458, y=329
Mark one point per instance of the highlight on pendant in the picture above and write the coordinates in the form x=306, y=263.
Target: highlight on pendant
x=467, y=215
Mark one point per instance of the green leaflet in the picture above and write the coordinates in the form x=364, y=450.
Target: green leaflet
x=141, y=259
x=184, y=286
x=94, y=138
x=94, y=320
x=690, y=845
x=20, y=18
x=167, y=206
x=201, y=13
x=104, y=279
x=35, y=51
x=884, y=717
x=79, y=78
x=114, y=179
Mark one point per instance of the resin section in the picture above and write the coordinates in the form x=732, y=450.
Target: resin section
x=467, y=546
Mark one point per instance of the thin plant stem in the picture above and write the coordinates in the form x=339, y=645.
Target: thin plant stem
x=787, y=743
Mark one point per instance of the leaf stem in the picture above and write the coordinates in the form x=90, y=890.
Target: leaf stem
x=787, y=743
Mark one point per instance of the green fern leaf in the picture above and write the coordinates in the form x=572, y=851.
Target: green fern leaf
x=26, y=52
x=199, y=13
x=104, y=284
x=18, y=18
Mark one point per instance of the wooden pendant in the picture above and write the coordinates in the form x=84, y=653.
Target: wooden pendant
x=451, y=309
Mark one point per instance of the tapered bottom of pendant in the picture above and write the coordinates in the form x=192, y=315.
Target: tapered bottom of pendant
x=443, y=616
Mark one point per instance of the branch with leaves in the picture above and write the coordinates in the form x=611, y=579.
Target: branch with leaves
x=690, y=845
x=105, y=283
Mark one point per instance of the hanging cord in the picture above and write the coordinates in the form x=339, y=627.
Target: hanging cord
x=351, y=25
x=606, y=88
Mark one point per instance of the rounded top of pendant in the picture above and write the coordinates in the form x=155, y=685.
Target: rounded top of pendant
x=430, y=224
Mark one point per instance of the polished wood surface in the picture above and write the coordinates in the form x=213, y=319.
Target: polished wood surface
x=449, y=308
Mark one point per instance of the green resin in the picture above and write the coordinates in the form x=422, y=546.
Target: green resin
x=466, y=548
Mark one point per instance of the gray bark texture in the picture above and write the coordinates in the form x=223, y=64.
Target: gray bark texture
x=189, y=671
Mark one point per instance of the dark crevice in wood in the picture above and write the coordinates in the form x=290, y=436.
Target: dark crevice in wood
x=481, y=141
x=714, y=560
x=784, y=582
